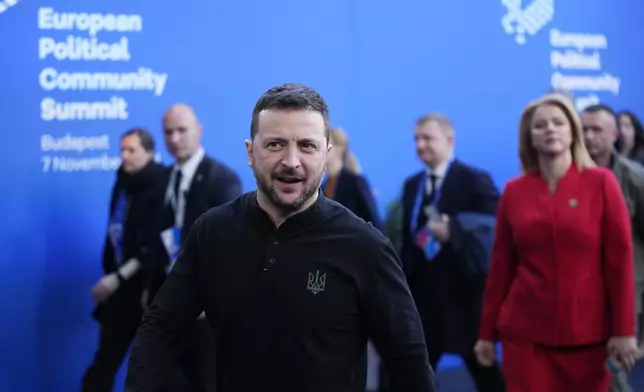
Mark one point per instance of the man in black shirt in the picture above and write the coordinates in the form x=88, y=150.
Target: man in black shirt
x=292, y=283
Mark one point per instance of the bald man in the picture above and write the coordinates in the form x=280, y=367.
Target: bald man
x=196, y=183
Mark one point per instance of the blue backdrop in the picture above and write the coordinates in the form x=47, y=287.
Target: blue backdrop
x=379, y=66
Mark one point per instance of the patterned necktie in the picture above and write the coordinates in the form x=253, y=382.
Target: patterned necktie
x=428, y=199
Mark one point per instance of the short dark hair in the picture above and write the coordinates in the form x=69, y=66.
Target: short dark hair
x=638, y=130
x=146, y=139
x=291, y=96
x=600, y=107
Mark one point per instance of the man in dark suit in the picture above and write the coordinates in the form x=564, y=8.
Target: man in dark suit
x=196, y=183
x=448, y=293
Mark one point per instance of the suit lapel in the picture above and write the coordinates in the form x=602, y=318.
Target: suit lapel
x=196, y=193
x=198, y=179
x=410, y=199
x=449, y=186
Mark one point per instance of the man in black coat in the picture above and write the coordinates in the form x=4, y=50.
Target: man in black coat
x=132, y=248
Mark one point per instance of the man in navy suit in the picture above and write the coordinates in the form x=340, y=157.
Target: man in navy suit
x=447, y=292
x=196, y=183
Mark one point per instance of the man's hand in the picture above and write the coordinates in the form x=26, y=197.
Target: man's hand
x=105, y=287
x=440, y=228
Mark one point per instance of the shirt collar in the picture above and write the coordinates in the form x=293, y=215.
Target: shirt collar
x=189, y=167
x=441, y=170
x=317, y=213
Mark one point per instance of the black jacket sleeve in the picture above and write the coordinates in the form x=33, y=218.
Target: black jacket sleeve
x=366, y=203
x=407, y=245
x=174, y=308
x=394, y=324
x=485, y=192
x=151, y=252
x=227, y=188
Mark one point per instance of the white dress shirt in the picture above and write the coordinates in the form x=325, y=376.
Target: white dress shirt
x=188, y=170
x=440, y=172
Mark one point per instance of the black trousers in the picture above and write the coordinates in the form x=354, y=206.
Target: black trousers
x=486, y=379
x=439, y=341
x=113, y=344
x=119, y=319
x=199, y=358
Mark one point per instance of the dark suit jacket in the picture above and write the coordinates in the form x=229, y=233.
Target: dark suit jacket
x=448, y=296
x=213, y=184
x=353, y=192
x=471, y=237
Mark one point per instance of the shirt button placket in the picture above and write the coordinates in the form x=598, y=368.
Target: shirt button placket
x=271, y=258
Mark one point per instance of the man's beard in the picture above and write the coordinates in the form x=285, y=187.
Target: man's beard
x=286, y=208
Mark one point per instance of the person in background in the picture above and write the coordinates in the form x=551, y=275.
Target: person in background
x=560, y=291
x=196, y=184
x=631, y=136
x=132, y=246
x=344, y=182
x=599, y=123
x=446, y=281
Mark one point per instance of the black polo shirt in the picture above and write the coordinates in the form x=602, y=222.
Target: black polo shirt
x=291, y=307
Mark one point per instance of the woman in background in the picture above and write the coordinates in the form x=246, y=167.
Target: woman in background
x=560, y=290
x=631, y=136
x=344, y=183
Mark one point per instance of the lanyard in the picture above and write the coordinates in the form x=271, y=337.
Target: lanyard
x=420, y=194
x=117, y=225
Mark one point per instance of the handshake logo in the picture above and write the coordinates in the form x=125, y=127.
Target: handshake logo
x=523, y=21
x=6, y=4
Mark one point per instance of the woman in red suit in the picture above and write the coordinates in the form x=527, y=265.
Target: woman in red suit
x=560, y=291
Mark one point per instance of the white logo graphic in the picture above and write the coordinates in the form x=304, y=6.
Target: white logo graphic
x=526, y=21
x=6, y=4
x=316, y=282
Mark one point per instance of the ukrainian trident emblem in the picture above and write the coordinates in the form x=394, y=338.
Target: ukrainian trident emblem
x=316, y=282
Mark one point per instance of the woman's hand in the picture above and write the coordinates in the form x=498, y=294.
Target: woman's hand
x=624, y=350
x=485, y=352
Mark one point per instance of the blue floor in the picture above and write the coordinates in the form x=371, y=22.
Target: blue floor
x=458, y=380
x=454, y=378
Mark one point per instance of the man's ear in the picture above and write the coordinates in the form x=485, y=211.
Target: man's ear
x=249, y=151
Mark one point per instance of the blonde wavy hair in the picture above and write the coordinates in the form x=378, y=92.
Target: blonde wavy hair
x=528, y=154
x=350, y=162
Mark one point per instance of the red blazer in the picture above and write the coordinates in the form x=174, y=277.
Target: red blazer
x=562, y=264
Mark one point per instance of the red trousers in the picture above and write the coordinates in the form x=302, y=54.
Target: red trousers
x=534, y=368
